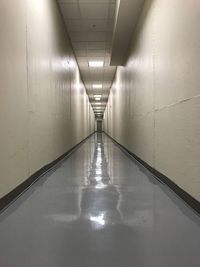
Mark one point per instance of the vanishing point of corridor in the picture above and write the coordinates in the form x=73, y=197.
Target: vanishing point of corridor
x=99, y=208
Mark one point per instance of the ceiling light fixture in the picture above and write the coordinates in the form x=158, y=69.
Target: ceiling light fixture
x=97, y=98
x=97, y=86
x=96, y=64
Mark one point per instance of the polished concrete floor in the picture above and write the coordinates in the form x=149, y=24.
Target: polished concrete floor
x=99, y=208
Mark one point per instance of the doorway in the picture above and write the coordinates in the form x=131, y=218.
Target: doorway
x=99, y=126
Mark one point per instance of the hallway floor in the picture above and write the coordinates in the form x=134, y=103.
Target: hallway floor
x=99, y=208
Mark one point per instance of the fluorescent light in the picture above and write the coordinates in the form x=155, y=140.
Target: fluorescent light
x=97, y=98
x=96, y=64
x=97, y=95
x=97, y=86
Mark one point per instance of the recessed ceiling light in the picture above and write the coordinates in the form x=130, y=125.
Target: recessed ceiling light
x=97, y=86
x=96, y=64
x=97, y=98
x=97, y=95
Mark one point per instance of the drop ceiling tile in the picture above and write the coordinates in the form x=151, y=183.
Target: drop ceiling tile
x=79, y=45
x=106, y=84
x=98, y=102
x=97, y=72
x=95, y=25
x=95, y=1
x=97, y=36
x=96, y=53
x=67, y=1
x=91, y=31
x=94, y=10
x=109, y=73
x=82, y=59
x=88, y=36
x=111, y=68
x=73, y=24
x=70, y=11
x=96, y=45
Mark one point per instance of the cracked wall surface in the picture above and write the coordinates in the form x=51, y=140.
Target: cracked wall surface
x=154, y=104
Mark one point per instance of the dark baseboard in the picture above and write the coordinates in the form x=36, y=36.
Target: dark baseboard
x=192, y=202
x=6, y=200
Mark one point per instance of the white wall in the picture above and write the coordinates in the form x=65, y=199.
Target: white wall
x=44, y=109
x=154, y=104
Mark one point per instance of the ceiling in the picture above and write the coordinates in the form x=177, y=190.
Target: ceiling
x=127, y=14
x=90, y=27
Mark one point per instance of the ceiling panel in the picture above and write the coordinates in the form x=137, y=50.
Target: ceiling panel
x=96, y=45
x=87, y=36
x=87, y=1
x=94, y=10
x=95, y=25
x=70, y=10
x=90, y=26
x=73, y=24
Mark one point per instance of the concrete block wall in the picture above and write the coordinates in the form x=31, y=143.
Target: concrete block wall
x=154, y=104
x=44, y=109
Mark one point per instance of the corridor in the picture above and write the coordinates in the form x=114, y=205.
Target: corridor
x=99, y=208
x=99, y=133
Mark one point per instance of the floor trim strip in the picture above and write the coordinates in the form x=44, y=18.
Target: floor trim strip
x=192, y=202
x=13, y=195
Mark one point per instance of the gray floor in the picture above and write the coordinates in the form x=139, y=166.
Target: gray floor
x=99, y=208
